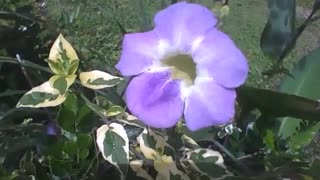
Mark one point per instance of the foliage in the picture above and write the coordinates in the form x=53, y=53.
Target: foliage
x=87, y=133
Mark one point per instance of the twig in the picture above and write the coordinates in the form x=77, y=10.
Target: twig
x=95, y=158
x=20, y=16
x=140, y=156
x=25, y=63
x=12, y=92
x=23, y=69
x=234, y=159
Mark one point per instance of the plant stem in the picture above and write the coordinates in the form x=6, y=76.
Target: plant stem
x=244, y=168
x=24, y=63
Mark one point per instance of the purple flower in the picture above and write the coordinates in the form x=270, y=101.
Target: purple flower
x=185, y=67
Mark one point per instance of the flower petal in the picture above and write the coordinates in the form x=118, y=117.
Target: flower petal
x=182, y=23
x=155, y=99
x=139, y=51
x=209, y=104
x=217, y=56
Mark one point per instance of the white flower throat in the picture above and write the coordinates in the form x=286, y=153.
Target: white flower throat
x=182, y=67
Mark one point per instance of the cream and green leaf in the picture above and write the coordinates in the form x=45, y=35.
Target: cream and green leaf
x=98, y=79
x=63, y=58
x=115, y=110
x=41, y=96
x=113, y=143
x=63, y=61
x=153, y=146
x=61, y=82
x=136, y=166
x=206, y=162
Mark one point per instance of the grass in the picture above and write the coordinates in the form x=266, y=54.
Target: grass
x=96, y=34
x=245, y=24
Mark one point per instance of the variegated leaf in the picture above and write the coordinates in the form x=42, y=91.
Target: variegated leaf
x=63, y=58
x=98, y=79
x=41, y=96
x=189, y=143
x=113, y=143
x=151, y=144
x=114, y=110
x=61, y=82
x=167, y=169
x=136, y=166
x=206, y=162
x=126, y=116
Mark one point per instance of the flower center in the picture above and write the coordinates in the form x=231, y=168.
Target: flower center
x=182, y=67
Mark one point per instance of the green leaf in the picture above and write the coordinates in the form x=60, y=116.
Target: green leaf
x=113, y=143
x=70, y=148
x=71, y=103
x=268, y=139
x=278, y=104
x=95, y=108
x=306, y=74
x=83, y=154
x=83, y=112
x=84, y=140
x=66, y=119
x=60, y=84
x=304, y=137
x=279, y=31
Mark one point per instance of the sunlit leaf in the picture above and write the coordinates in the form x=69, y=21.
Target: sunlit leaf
x=41, y=96
x=61, y=82
x=166, y=167
x=268, y=139
x=63, y=53
x=57, y=48
x=304, y=137
x=113, y=143
x=98, y=79
x=136, y=166
x=304, y=83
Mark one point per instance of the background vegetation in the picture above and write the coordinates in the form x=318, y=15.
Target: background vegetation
x=270, y=148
